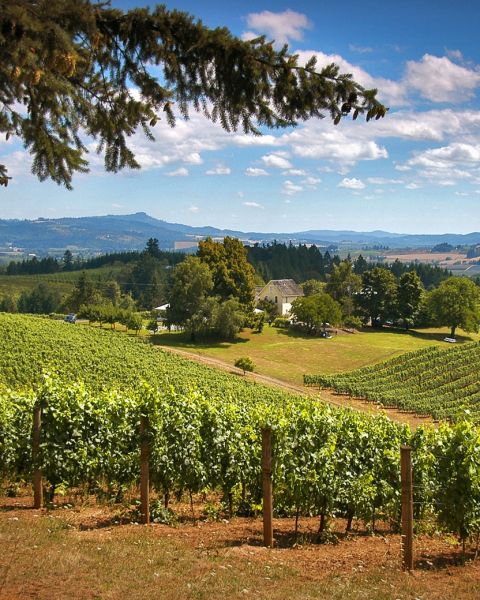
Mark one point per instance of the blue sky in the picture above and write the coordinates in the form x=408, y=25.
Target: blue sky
x=416, y=171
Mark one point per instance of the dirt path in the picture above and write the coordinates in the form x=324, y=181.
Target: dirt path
x=324, y=395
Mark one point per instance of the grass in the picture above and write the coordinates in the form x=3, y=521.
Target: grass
x=63, y=282
x=287, y=355
x=49, y=556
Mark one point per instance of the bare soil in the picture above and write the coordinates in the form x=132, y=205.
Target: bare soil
x=85, y=553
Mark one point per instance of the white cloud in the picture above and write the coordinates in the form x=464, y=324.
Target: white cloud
x=383, y=181
x=193, y=208
x=324, y=141
x=295, y=172
x=290, y=189
x=18, y=164
x=180, y=172
x=255, y=140
x=352, y=184
x=219, y=170
x=282, y=27
x=360, y=49
x=440, y=80
x=277, y=161
x=312, y=180
x=412, y=186
x=252, y=204
x=255, y=172
x=445, y=164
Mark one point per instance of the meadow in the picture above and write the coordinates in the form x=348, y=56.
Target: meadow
x=288, y=355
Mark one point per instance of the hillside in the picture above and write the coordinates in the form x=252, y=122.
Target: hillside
x=113, y=233
x=102, y=359
x=431, y=381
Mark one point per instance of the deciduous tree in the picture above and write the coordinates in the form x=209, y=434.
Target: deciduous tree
x=456, y=303
x=314, y=311
x=233, y=276
x=192, y=283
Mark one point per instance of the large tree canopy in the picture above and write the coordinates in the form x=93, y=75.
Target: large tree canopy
x=72, y=68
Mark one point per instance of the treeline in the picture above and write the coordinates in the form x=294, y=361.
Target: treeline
x=302, y=262
x=49, y=264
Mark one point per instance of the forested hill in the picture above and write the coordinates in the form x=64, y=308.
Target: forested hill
x=114, y=233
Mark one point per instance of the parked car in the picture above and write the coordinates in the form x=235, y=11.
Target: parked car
x=70, y=318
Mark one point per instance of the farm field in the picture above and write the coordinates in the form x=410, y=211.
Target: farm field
x=287, y=355
x=441, y=383
x=80, y=553
x=63, y=282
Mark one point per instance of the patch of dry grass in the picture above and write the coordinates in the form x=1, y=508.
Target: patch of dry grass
x=49, y=556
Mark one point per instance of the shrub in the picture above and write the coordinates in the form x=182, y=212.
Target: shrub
x=245, y=363
x=282, y=322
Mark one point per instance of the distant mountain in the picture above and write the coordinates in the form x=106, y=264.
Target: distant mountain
x=113, y=233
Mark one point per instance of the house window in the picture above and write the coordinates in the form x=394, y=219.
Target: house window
x=276, y=299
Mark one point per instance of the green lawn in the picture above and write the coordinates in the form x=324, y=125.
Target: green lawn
x=288, y=355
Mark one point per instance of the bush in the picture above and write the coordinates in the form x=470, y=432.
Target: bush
x=245, y=363
x=352, y=322
x=281, y=322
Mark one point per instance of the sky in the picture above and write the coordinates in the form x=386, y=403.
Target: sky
x=415, y=171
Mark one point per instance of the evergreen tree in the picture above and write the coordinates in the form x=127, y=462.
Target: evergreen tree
x=410, y=293
x=148, y=281
x=83, y=293
x=343, y=284
x=41, y=300
x=153, y=248
x=72, y=65
x=67, y=260
x=377, y=299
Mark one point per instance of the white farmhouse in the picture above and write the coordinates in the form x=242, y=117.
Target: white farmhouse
x=281, y=291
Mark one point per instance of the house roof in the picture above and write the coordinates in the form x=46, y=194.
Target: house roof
x=287, y=287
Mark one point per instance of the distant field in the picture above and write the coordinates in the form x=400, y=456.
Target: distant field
x=63, y=282
x=428, y=257
x=288, y=355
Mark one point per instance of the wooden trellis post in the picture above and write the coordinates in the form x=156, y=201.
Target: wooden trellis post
x=267, y=487
x=407, y=508
x=37, y=471
x=144, y=471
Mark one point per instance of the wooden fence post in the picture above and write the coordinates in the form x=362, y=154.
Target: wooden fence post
x=144, y=471
x=407, y=508
x=37, y=471
x=267, y=487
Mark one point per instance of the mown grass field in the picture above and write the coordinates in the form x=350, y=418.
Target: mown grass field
x=289, y=355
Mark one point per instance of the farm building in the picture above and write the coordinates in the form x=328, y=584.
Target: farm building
x=281, y=291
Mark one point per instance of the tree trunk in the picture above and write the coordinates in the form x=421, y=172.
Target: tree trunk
x=350, y=515
x=323, y=521
x=167, y=500
x=452, y=332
